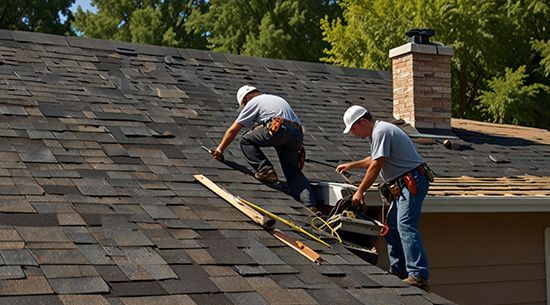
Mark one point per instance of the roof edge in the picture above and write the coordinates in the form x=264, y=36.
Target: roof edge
x=208, y=55
x=463, y=204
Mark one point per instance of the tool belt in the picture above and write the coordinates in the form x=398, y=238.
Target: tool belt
x=389, y=192
x=276, y=122
x=394, y=188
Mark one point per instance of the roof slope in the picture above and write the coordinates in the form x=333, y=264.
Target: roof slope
x=493, y=160
x=99, y=141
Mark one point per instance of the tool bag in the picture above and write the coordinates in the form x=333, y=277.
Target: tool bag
x=275, y=124
x=349, y=218
x=428, y=172
x=389, y=192
x=345, y=207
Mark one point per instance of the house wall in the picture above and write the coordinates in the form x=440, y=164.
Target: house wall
x=485, y=258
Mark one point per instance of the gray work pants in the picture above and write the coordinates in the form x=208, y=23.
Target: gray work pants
x=287, y=142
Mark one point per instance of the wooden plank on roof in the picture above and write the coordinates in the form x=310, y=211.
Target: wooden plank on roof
x=258, y=218
x=265, y=222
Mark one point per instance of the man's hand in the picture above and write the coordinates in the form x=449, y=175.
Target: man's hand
x=358, y=199
x=217, y=153
x=343, y=168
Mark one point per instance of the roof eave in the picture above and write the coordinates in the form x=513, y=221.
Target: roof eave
x=475, y=204
x=479, y=204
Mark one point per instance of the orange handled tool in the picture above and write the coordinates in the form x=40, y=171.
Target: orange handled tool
x=410, y=183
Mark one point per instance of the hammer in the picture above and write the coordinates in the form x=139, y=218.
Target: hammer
x=210, y=152
x=344, y=174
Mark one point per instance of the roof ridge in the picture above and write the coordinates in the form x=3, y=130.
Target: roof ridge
x=124, y=47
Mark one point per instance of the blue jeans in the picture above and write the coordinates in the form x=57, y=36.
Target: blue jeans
x=287, y=141
x=405, y=248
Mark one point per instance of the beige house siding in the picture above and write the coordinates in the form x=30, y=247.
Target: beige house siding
x=486, y=258
x=547, y=258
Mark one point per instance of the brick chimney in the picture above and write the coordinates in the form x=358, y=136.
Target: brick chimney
x=422, y=82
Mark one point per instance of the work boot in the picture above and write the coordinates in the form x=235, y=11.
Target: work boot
x=400, y=276
x=266, y=174
x=419, y=282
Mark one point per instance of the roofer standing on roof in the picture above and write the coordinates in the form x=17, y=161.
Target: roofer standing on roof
x=394, y=157
x=277, y=126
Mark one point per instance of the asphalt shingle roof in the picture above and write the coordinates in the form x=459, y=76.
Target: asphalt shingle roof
x=98, y=144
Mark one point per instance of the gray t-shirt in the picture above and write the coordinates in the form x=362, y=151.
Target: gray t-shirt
x=264, y=107
x=389, y=141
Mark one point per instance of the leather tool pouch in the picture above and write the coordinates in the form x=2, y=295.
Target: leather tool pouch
x=429, y=173
x=395, y=190
x=408, y=179
x=275, y=124
x=387, y=192
x=301, y=157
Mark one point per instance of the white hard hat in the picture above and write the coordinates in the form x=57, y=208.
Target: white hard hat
x=243, y=91
x=353, y=114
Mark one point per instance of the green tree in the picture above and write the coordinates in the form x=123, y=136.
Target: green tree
x=160, y=22
x=487, y=37
x=368, y=30
x=543, y=47
x=36, y=15
x=510, y=100
x=286, y=29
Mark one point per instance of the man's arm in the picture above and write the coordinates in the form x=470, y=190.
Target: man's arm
x=228, y=137
x=363, y=163
x=370, y=176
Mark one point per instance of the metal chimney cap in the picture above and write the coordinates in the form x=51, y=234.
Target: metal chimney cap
x=421, y=36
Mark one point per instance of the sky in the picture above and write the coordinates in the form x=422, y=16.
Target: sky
x=85, y=4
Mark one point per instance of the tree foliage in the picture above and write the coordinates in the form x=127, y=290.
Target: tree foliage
x=510, y=100
x=367, y=31
x=36, y=15
x=160, y=22
x=487, y=37
x=543, y=47
x=288, y=29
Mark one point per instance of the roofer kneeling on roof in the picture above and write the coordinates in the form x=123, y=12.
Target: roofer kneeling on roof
x=277, y=126
x=406, y=177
